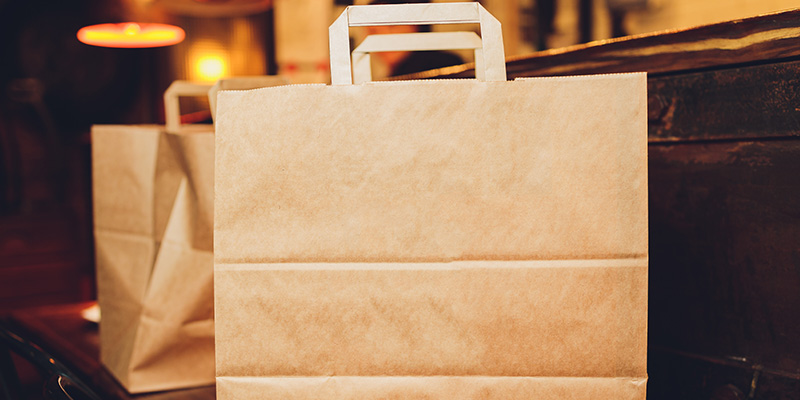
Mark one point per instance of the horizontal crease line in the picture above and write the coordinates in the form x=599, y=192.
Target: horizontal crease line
x=498, y=377
x=640, y=262
x=419, y=260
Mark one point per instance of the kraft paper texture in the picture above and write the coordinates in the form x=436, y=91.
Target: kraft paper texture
x=437, y=239
x=153, y=216
x=435, y=387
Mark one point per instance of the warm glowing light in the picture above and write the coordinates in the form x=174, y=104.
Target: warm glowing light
x=131, y=35
x=132, y=29
x=210, y=67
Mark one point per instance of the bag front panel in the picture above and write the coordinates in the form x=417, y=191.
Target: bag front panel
x=433, y=171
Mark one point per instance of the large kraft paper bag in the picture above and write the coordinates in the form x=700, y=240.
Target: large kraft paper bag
x=432, y=239
x=153, y=219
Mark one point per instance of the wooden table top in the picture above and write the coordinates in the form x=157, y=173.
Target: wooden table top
x=74, y=341
x=741, y=42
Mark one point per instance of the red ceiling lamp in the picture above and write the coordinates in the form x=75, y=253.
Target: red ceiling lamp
x=131, y=35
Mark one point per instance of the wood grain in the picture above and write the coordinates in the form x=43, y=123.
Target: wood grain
x=62, y=332
x=724, y=250
x=726, y=104
x=767, y=37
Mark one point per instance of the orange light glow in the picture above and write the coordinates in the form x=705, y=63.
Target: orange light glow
x=211, y=67
x=131, y=35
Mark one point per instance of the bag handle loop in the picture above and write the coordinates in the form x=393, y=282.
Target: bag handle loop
x=493, y=60
x=177, y=89
x=362, y=71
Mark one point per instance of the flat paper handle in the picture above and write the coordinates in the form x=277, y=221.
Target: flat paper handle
x=176, y=90
x=362, y=71
x=416, y=14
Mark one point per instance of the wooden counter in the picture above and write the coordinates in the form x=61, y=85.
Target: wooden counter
x=63, y=333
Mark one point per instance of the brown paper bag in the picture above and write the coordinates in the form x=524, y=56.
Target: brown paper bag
x=432, y=239
x=153, y=217
x=153, y=213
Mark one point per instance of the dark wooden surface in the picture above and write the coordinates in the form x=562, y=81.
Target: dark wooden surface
x=768, y=37
x=61, y=331
x=724, y=188
x=724, y=257
x=761, y=101
x=725, y=229
x=680, y=375
x=725, y=263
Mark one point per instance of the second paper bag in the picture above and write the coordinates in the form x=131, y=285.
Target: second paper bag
x=153, y=216
x=433, y=239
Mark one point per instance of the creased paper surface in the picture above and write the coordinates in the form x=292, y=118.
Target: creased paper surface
x=435, y=238
x=153, y=216
x=511, y=318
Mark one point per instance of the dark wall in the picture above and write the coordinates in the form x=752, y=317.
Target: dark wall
x=52, y=89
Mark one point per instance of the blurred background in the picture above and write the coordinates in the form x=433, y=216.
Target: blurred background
x=53, y=88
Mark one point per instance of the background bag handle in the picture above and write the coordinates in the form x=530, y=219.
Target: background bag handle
x=416, y=14
x=177, y=89
x=241, y=83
